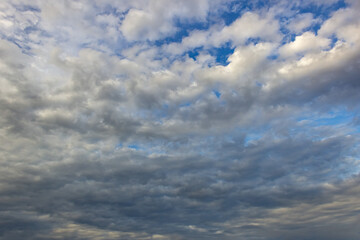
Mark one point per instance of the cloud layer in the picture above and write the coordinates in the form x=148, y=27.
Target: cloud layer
x=179, y=120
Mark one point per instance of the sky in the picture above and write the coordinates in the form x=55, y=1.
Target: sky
x=192, y=119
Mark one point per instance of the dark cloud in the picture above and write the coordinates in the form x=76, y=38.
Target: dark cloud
x=104, y=138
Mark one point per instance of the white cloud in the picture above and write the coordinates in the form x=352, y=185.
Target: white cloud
x=300, y=22
x=156, y=19
x=243, y=66
x=250, y=25
x=307, y=42
x=344, y=24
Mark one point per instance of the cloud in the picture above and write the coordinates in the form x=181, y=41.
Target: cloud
x=301, y=22
x=250, y=25
x=304, y=43
x=119, y=121
x=343, y=24
x=156, y=20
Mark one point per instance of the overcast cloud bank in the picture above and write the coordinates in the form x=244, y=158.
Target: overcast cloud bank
x=180, y=119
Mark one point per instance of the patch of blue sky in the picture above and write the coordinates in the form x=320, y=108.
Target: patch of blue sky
x=253, y=41
x=194, y=53
x=288, y=36
x=259, y=84
x=119, y=145
x=185, y=104
x=233, y=11
x=251, y=138
x=152, y=148
x=191, y=24
x=272, y=56
x=237, y=8
x=319, y=11
x=334, y=40
x=283, y=22
x=314, y=27
x=247, y=135
x=134, y=146
x=222, y=53
x=143, y=113
x=356, y=123
x=147, y=148
x=183, y=30
x=217, y=93
x=161, y=113
x=332, y=118
x=322, y=11
x=175, y=38
x=357, y=129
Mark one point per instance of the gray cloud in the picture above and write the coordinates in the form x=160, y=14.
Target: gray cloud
x=105, y=138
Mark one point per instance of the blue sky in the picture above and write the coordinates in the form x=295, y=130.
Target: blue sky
x=164, y=119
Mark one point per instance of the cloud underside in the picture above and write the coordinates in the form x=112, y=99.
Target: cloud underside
x=119, y=121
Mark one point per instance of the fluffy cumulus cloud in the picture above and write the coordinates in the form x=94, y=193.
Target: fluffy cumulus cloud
x=180, y=119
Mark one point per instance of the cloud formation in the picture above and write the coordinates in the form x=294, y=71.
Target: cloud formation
x=179, y=120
